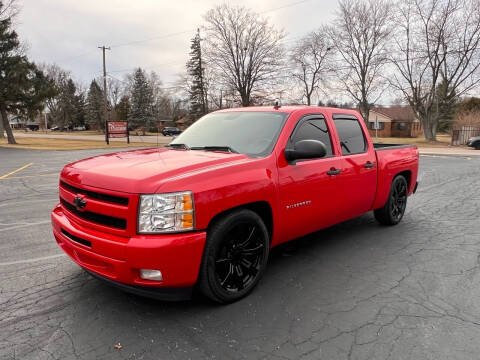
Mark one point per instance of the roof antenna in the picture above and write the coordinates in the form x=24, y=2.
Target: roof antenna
x=276, y=103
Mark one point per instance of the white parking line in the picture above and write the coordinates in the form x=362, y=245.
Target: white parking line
x=32, y=260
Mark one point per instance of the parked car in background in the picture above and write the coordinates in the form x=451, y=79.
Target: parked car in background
x=32, y=127
x=54, y=128
x=171, y=130
x=474, y=142
x=206, y=209
x=80, y=128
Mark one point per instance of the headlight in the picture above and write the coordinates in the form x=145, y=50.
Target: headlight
x=162, y=213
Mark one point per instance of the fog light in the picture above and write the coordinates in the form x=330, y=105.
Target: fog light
x=148, y=274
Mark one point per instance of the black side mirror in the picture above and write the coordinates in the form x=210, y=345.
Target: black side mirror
x=306, y=149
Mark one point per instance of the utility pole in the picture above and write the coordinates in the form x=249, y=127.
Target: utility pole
x=105, y=110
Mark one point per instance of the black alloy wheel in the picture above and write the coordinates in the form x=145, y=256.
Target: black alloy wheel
x=239, y=257
x=392, y=212
x=235, y=256
x=398, y=201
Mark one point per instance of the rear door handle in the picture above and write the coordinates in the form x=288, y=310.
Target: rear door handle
x=369, y=165
x=334, y=171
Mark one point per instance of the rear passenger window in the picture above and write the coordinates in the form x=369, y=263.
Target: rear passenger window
x=351, y=136
x=314, y=129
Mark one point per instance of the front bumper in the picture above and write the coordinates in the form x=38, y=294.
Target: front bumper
x=118, y=259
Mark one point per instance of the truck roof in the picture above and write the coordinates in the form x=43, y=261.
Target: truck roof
x=292, y=108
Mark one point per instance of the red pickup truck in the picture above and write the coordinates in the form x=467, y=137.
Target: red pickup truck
x=205, y=210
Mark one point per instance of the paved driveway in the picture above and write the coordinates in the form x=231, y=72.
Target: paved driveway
x=356, y=290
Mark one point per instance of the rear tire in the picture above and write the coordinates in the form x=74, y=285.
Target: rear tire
x=235, y=256
x=392, y=212
x=477, y=146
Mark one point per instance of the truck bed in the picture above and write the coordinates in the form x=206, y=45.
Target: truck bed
x=381, y=146
x=393, y=159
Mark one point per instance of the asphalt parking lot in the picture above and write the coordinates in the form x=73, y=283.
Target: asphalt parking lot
x=353, y=291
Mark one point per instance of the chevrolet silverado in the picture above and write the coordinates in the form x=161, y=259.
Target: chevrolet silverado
x=204, y=211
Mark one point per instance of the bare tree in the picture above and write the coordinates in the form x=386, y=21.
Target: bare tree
x=243, y=48
x=59, y=78
x=360, y=35
x=10, y=9
x=309, y=60
x=114, y=91
x=437, y=48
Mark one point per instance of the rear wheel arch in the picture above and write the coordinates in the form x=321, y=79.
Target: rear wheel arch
x=407, y=174
x=391, y=213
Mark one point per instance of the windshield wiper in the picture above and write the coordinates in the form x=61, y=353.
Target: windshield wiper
x=178, y=146
x=215, y=148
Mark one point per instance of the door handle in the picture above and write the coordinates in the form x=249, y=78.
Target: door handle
x=369, y=165
x=334, y=171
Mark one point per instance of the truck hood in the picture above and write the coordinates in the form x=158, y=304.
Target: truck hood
x=142, y=171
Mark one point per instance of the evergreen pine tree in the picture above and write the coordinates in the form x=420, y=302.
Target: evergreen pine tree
x=94, y=107
x=23, y=88
x=445, y=106
x=68, y=110
x=142, y=102
x=123, y=108
x=196, y=72
x=79, y=105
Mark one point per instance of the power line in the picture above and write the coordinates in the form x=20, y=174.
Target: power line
x=145, y=68
x=133, y=42
x=152, y=38
x=77, y=56
x=285, y=6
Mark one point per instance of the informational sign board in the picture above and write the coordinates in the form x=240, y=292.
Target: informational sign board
x=117, y=129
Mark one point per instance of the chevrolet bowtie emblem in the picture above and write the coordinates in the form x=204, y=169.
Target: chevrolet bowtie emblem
x=79, y=202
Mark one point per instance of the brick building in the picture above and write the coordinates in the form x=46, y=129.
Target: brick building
x=394, y=121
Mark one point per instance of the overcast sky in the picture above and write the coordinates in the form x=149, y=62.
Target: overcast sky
x=68, y=32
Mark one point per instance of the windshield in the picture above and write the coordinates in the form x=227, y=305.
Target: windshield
x=251, y=133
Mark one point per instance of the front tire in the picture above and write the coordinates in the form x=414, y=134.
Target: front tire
x=235, y=256
x=394, y=209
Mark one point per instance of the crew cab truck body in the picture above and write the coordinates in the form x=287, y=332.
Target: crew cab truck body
x=217, y=211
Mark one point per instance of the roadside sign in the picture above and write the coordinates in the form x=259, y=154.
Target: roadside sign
x=118, y=129
x=113, y=135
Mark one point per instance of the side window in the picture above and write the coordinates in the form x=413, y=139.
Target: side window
x=351, y=136
x=314, y=129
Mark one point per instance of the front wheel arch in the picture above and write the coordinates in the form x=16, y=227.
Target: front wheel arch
x=261, y=208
